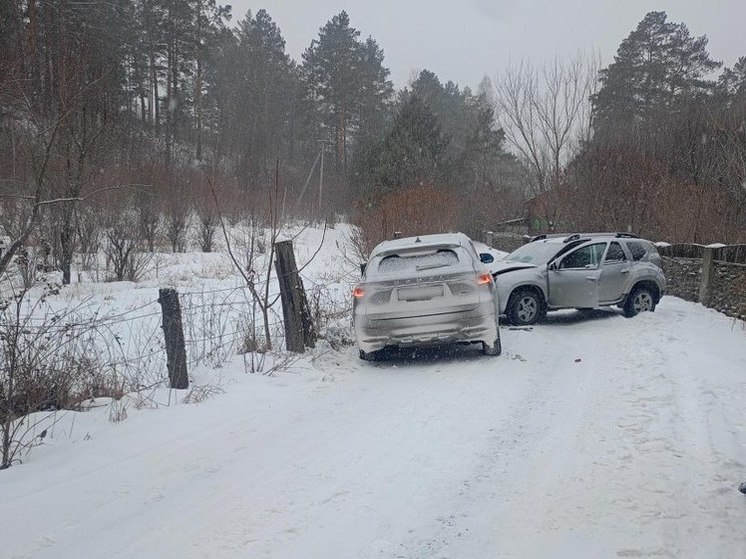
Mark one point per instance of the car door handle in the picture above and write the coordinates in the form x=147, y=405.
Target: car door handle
x=625, y=271
x=591, y=278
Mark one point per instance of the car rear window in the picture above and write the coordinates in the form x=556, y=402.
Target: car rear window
x=398, y=263
x=637, y=250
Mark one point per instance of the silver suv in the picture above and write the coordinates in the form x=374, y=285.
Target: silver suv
x=580, y=271
x=426, y=290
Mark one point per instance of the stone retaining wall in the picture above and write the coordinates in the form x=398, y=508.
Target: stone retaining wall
x=726, y=292
x=729, y=289
x=683, y=277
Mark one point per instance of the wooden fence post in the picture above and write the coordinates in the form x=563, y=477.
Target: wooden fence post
x=173, y=332
x=707, y=278
x=299, y=330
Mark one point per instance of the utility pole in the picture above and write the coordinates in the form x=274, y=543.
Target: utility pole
x=321, y=172
x=321, y=177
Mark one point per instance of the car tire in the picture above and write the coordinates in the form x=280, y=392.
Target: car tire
x=493, y=349
x=525, y=307
x=641, y=299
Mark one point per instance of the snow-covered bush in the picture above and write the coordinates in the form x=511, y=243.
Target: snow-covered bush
x=49, y=360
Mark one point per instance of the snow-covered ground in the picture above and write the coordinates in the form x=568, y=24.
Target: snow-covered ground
x=591, y=436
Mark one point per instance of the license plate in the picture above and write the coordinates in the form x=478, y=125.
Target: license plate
x=420, y=293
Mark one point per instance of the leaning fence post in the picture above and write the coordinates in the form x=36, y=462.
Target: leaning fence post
x=299, y=330
x=173, y=332
x=707, y=278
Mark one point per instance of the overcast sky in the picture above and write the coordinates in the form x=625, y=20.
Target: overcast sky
x=464, y=40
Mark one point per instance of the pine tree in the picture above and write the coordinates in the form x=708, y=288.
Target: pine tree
x=732, y=82
x=263, y=82
x=410, y=154
x=347, y=82
x=375, y=95
x=656, y=64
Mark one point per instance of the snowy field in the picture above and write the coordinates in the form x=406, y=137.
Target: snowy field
x=592, y=436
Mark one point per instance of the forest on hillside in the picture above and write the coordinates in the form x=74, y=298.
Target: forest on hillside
x=149, y=121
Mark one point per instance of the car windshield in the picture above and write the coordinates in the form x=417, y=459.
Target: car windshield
x=534, y=253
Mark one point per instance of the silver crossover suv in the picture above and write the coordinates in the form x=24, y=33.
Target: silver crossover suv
x=579, y=271
x=426, y=290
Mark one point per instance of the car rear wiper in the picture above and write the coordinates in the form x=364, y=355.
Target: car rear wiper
x=431, y=266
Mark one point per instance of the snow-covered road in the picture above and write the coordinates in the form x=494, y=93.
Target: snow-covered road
x=592, y=436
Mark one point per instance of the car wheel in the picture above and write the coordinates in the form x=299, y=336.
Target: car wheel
x=640, y=300
x=525, y=307
x=495, y=349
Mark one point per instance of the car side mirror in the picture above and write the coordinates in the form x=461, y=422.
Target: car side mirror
x=486, y=258
x=362, y=269
x=554, y=266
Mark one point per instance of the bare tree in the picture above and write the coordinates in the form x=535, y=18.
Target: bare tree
x=545, y=112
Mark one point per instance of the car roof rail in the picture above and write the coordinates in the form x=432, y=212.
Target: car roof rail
x=616, y=234
x=588, y=236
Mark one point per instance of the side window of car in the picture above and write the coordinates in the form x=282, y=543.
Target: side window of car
x=585, y=257
x=637, y=250
x=615, y=254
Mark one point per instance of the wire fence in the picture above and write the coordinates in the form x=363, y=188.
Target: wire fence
x=103, y=342
x=218, y=324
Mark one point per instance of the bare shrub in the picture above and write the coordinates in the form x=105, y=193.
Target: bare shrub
x=122, y=244
x=417, y=210
x=199, y=394
x=149, y=214
x=88, y=229
x=257, y=280
x=49, y=361
x=207, y=226
x=206, y=214
x=177, y=223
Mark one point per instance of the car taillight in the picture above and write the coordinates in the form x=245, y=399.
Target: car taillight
x=358, y=292
x=484, y=279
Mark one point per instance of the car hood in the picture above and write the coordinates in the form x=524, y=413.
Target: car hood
x=505, y=266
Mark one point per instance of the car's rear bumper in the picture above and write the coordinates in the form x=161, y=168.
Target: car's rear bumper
x=475, y=325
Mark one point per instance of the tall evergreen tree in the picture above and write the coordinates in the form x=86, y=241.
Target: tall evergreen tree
x=410, y=154
x=732, y=82
x=347, y=81
x=263, y=82
x=657, y=63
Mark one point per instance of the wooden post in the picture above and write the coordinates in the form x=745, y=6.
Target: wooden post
x=173, y=332
x=299, y=330
x=707, y=278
